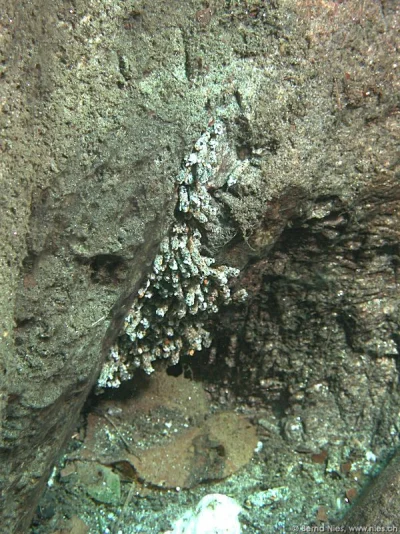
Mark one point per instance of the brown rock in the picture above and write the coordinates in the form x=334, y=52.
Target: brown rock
x=215, y=450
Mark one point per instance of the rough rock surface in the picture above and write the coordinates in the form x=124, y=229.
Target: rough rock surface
x=100, y=103
x=380, y=504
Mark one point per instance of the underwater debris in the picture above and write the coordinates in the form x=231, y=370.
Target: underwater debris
x=215, y=514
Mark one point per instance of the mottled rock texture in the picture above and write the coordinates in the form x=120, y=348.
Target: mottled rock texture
x=100, y=102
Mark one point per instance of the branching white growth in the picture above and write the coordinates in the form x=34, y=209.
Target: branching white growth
x=167, y=318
